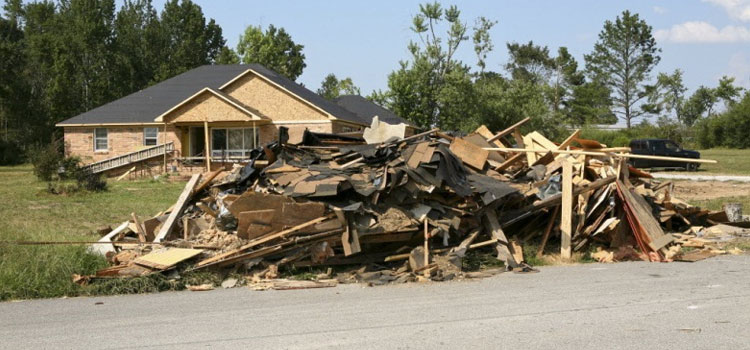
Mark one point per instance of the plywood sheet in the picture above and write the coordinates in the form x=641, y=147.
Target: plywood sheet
x=469, y=153
x=163, y=259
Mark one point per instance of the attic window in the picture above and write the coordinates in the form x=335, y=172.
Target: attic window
x=100, y=139
x=150, y=136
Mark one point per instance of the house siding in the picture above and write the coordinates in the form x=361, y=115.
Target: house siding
x=206, y=107
x=271, y=101
x=79, y=141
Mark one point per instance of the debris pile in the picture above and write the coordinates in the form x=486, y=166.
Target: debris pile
x=407, y=208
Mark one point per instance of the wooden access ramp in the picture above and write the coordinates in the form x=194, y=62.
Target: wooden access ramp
x=130, y=158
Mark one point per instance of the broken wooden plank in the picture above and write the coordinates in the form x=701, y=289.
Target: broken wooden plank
x=508, y=130
x=179, y=206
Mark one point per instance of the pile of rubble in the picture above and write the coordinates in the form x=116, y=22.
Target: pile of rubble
x=408, y=208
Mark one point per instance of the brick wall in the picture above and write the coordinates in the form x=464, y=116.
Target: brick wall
x=79, y=141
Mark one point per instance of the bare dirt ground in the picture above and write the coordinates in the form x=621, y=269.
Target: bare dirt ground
x=706, y=190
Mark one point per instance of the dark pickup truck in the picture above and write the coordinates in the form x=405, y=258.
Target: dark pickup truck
x=661, y=147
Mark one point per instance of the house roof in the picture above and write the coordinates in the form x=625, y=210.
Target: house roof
x=146, y=105
x=367, y=109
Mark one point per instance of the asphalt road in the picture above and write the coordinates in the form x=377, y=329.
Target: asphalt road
x=703, y=305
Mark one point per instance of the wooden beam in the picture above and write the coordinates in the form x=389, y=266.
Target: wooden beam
x=566, y=224
x=179, y=206
x=508, y=130
x=207, y=145
x=510, y=161
x=570, y=139
x=601, y=154
x=207, y=180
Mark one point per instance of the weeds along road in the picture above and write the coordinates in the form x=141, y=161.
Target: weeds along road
x=633, y=305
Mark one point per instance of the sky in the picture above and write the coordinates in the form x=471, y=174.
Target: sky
x=365, y=40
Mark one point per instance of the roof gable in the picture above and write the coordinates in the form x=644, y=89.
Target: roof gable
x=196, y=102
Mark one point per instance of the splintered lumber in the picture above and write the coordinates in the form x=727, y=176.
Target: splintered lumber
x=426, y=249
x=566, y=223
x=165, y=258
x=644, y=218
x=507, y=131
x=503, y=253
x=261, y=240
x=179, y=206
x=601, y=154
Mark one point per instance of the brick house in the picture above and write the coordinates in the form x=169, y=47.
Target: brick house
x=218, y=110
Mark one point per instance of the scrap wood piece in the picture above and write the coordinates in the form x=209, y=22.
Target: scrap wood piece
x=164, y=259
x=179, y=206
x=542, y=141
x=469, y=153
x=570, y=139
x=483, y=131
x=503, y=253
x=140, y=230
x=588, y=143
x=286, y=284
x=126, y=174
x=547, y=231
x=510, y=161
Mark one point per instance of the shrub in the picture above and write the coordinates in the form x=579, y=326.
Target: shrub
x=47, y=160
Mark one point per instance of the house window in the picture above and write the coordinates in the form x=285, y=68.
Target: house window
x=150, y=136
x=349, y=129
x=100, y=139
x=232, y=142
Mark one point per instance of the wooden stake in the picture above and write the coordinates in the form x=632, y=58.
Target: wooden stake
x=566, y=224
x=140, y=231
x=426, y=249
x=547, y=231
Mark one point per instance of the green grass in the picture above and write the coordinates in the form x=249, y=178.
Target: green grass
x=29, y=213
x=717, y=203
x=730, y=161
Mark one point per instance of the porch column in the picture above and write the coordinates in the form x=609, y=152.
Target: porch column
x=164, y=142
x=208, y=146
x=254, y=135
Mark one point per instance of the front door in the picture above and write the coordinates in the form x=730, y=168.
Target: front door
x=197, y=141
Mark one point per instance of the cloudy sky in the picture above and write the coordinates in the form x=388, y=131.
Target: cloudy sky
x=366, y=39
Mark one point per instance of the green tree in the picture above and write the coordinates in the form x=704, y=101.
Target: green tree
x=187, y=40
x=227, y=56
x=670, y=94
x=274, y=49
x=332, y=87
x=137, y=34
x=433, y=89
x=13, y=91
x=622, y=60
x=589, y=103
x=529, y=62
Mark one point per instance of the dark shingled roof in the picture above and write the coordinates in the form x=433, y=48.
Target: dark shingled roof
x=146, y=105
x=367, y=109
